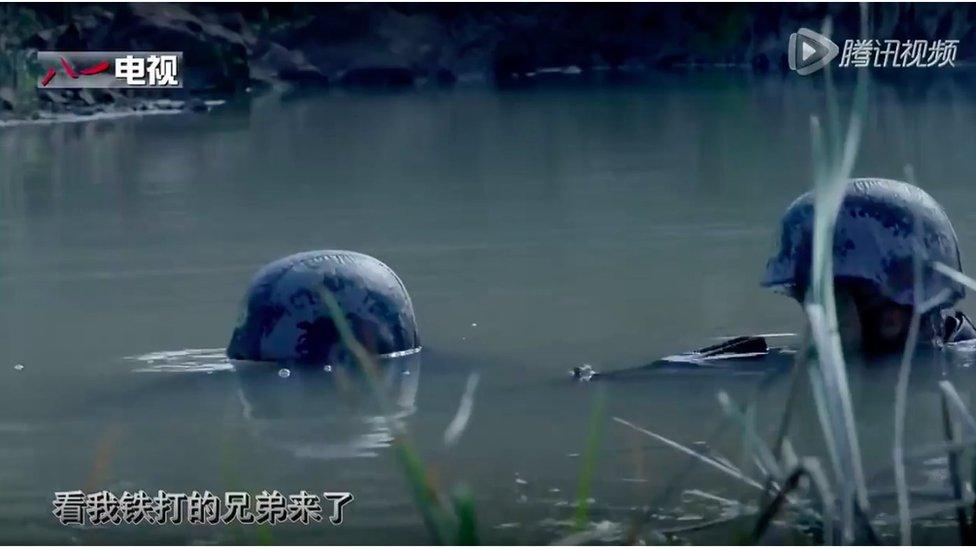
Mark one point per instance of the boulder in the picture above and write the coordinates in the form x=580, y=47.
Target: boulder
x=278, y=62
x=215, y=57
x=378, y=77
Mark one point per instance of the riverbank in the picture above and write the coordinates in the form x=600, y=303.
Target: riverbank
x=235, y=49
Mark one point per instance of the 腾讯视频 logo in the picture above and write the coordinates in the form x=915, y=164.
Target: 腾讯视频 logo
x=810, y=51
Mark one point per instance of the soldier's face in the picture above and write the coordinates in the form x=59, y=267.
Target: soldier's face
x=848, y=320
x=893, y=324
x=867, y=322
x=884, y=324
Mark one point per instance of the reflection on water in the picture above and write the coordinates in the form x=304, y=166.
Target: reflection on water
x=282, y=413
x=279, y=405
x=537, y=230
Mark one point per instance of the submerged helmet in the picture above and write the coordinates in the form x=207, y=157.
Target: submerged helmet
x=879, y=225
x=285, y=318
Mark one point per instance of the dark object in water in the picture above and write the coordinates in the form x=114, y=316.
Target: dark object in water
x=285, y=319
x=880, y=224
x=584, y=372
x=742, y=349
x=957, y=328
x=736, y=345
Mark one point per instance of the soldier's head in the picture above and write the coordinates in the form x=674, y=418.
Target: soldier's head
x=881, y=227
x=286, y=315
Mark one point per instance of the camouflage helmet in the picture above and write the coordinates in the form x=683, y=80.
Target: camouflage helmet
x=284, y=317
x=874, y=241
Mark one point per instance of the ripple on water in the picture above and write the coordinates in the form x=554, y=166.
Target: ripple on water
x=183, y=361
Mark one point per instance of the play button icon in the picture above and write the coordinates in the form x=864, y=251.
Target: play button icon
x=810, y=51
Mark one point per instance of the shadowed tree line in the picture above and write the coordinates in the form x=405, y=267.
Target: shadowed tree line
x=232, y=48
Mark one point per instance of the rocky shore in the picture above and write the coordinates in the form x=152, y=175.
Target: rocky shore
x=232, y=49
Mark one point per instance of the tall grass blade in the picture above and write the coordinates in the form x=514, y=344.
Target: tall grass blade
x=965, y=532
x=955, y=402
x=765, y=460
x=460, y=422
x=706, y=524
x=426, y=495
x=931, y=303
x=901, y=390
x=790, y=484
x=954, y=275
x=933, y=509
x=590, y=454
x=798, y=369
x=688, y=451
x=676, y=480
x=817, y=476
x=818, y=334
x=759, y=447
x=835, y=405
x=467, y=531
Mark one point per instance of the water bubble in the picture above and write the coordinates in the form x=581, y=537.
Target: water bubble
x=284, y=372
x=18, y=367
x=701, y=447
x=327, y=368
x=474, y=324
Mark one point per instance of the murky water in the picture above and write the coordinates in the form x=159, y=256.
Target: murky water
x=536, y=230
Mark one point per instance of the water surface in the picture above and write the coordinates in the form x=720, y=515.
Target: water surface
x=536, y=230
